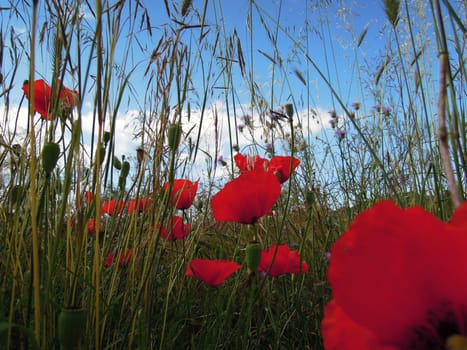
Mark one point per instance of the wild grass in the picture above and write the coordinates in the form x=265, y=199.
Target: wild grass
x=194, y=71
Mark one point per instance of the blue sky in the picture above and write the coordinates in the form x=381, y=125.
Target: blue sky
x=328, y=29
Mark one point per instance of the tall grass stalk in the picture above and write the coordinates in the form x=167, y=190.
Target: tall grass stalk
x=32, y=184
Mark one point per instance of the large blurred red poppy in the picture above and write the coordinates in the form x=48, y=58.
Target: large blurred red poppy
x=246, y=198
x=183, y=193
x=176, y=230
x=113, y=207
x=280, y=260
x=43, y=102
x=139, y=205
x=281, y=166
x=398, y=281
x=211, y=272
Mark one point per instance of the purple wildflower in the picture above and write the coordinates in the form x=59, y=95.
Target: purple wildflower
x=333, y=122
x=341, y=133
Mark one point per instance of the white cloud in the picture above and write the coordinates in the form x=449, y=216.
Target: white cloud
x=214, y=140
x=216, y=123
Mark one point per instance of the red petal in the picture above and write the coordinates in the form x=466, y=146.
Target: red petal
x=183, y=193
x=211, y=272
x=248, y=163
x=246, y=198
x=459, y=219
x=42, y=102
x=140, y=205
x=113, y=207
x=283, y=166
x=340, y=332
x=176, y=230
x=284, y=260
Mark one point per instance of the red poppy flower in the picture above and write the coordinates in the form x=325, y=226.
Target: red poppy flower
x=177, y=230
x=211, y=272
x=113, y=207
x=122, y=261
x=246, y=198
x=43, y=101
x=140, y=205
x=280, y=260
x=183, y=193
x=398, y=279
x=283, y=166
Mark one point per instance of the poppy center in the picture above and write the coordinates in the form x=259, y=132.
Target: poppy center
x=440, y=324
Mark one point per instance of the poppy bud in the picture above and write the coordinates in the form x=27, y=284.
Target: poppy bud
x=289, y=110
x=125, y=169
x=106, y=137
x=253, y=256
x=140, y=154
x=116, y=163
x=50, y=154
x=173, y=136
x=71, y=326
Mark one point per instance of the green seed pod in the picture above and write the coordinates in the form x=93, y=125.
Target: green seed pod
x=125, y=169
x=116, y=163
x=253, y=256
x=174, y=134
x=50, y=155
x=289, y=110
